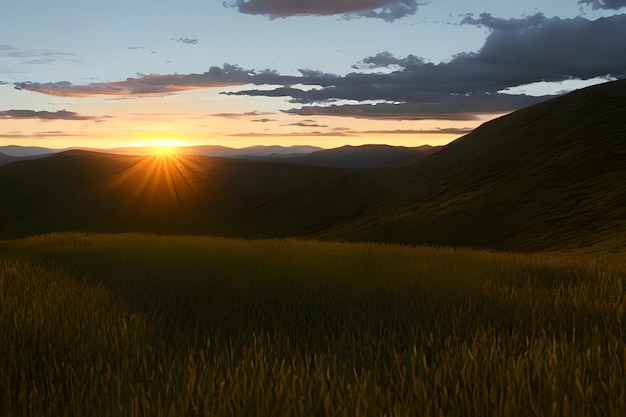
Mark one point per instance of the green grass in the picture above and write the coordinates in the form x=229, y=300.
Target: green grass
x=140, y=325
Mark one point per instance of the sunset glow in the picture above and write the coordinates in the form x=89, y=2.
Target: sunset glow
x=165, y=147
x=164, y=82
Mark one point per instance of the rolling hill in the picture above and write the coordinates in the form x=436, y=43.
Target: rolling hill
x=550, y=176
x=364, y=156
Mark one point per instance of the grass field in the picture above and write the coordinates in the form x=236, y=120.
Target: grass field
x=141, y=325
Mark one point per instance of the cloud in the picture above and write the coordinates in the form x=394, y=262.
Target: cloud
x=604, y=4
x=305, y=123
x=240, y=115
x=516, y=52
x=345, y=132
x=150, y=85
x=263, y=120
x=499, y=24
x=187, y=41
x=44, y=115
x=437, y=131
x=388, y=10
x=40, y=135
x=291, y=134
x=432, y=106
x=368, y=111
x=36, y=56
x=141, y=48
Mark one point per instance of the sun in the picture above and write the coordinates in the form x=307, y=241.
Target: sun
x=165, y=147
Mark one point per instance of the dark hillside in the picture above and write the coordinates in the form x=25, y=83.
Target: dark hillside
x=549, y=176
x=365, y=156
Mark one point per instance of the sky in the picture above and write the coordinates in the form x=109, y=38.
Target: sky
x=326, y=73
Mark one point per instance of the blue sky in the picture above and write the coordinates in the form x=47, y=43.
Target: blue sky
x=320, y=72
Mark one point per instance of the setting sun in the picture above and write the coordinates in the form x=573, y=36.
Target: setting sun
x=165, y=147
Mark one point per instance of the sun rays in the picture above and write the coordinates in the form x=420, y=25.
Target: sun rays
x=160, y=182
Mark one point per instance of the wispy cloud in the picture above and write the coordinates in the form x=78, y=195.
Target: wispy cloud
x=36, y=56
x=436, y=131
x=346, y=132
x=388, y=10
x=39, y=135
x=305, y=123
x=187, y=41
x=150, y=85
x=45, y=115
x=141, y=48
x=604, y=4
x=240, y=115
x=290, y=134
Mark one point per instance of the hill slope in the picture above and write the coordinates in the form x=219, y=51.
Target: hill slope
x=550, y=176
x=365, y=156
x=79, y=190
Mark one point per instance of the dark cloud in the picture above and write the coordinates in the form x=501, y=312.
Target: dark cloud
x=604, y=4
x=263, y=120
x=380, y=112
x=431, y=106
x=388, y=10
x=516, y=52
x=499, y=24
x=44, y=115
x=187, y=41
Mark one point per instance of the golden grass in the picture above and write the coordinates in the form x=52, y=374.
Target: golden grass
x=137, y=325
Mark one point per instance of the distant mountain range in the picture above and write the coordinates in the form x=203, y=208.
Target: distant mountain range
x=361, y=157
x=548, y=177
x=366, y=156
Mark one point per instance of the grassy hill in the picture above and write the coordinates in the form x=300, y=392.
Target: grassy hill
x=549, y=176
x=80, y=190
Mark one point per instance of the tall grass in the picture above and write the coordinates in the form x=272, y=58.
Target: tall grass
x=137, y=325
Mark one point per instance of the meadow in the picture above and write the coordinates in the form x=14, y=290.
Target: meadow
x=146, y=325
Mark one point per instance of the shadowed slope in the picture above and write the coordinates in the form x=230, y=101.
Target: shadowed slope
x=365, y=156
x=552, y=175
x=80, y=190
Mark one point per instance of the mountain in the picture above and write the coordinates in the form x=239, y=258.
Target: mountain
x=24, y=151
x=252, y=152
x=5, y=159
x=364, y=156
x=548, y=177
